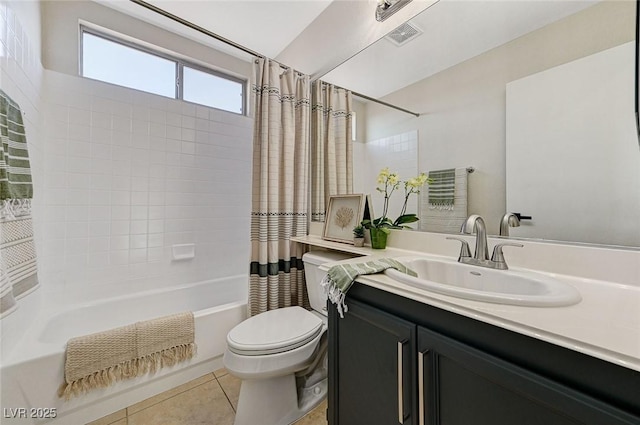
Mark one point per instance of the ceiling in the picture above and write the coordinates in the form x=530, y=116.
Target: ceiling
x=312, y=36
x=289, y=30
x=454, y=31
x=264, y=26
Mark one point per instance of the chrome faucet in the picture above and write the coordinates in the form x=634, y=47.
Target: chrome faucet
x=475, y=222
x=481, y=254
x=508, y=220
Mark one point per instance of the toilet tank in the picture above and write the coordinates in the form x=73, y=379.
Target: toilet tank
x=313, y=275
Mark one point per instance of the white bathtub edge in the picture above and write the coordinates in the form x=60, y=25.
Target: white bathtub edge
x=39, y=389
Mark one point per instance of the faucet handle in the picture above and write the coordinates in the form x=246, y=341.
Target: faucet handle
x=465, y=251
x=498, y=256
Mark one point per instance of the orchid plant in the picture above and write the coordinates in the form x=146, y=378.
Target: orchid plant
x=388, y=183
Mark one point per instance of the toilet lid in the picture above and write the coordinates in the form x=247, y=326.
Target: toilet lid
x=274, y=331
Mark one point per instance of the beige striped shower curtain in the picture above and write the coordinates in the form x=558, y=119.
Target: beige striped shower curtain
x=331, y=146
x=280, y=187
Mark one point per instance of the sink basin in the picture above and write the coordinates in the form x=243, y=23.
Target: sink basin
x=513, y=287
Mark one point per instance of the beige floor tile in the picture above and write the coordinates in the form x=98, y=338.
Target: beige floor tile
x=317, y=416
x=170, y=393
x=231, y=387
x=121, y=422
x=204, y=404
x=111, y=418
x=220, y=372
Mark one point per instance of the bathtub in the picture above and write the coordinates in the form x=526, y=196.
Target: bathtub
x=32, y=369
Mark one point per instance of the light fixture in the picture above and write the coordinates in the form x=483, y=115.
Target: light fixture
x=387, y=8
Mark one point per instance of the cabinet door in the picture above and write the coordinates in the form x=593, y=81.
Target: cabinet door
x=461, y=385
x=372, y=367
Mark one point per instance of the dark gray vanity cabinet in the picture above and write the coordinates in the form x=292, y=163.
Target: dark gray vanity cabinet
x=465, y=386
x=379, y=390
x=394, y=360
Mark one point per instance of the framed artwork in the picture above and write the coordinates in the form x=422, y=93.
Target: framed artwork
x=368, y=208
x=344, y=212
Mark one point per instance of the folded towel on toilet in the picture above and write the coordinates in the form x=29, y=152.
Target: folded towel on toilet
x=100, y=359
x=340, y=277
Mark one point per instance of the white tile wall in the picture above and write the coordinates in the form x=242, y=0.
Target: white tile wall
x=129, y=174
x=122, y=175
x=21, y=71
x=400, y=154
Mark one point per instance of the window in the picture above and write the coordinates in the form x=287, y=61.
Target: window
x=108, y=59
x=115, y=63
x=211, y=90
x=354, y=127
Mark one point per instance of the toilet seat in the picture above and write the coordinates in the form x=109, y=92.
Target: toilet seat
x=274, y=332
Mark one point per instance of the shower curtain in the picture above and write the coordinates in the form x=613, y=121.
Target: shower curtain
x=18, y=267
x=331, y=146
x=280, y=185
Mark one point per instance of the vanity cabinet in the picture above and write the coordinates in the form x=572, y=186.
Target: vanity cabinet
x=461, y=385
x=378, y=380
x=393, y=360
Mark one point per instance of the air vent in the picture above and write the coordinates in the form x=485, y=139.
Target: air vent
x=404, y=33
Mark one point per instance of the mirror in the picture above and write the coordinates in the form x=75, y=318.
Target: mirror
x=536, y=96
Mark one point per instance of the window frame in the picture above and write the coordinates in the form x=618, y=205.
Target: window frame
x=179, y=62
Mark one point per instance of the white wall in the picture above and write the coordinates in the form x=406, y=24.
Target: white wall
x=130, y=174
x=27, y=14
x=21, y=78
x=576, y=121
x=463, y=108
x=400, y=154
x=61, y=36
x=21, y=73
x=120, y=176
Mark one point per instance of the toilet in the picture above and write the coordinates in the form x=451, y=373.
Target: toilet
x=280, y=355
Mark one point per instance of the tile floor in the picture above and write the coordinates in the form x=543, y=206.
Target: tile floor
x=211, y=399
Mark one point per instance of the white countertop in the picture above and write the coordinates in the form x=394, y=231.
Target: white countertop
x=605, y=324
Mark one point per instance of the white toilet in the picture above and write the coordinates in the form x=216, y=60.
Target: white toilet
x=280, y=355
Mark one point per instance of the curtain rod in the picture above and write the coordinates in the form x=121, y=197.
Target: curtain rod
x=364, y=96
x=198, y=28
x=385, y=103
x=213, y=35
x=193, y=26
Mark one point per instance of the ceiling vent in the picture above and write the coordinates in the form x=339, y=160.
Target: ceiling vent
x=403, y=34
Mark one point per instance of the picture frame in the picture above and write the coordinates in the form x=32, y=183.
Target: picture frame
x=368, y=208
x=344, y=212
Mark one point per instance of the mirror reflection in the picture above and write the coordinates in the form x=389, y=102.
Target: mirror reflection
x=536, y=97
